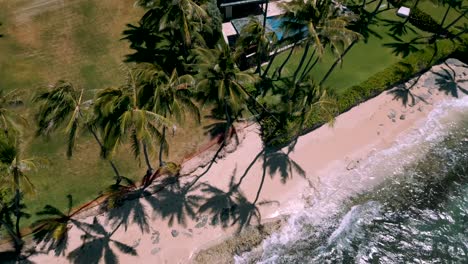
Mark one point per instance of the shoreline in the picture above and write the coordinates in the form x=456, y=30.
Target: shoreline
x=172, y=237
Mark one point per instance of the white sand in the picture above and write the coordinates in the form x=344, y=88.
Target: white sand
x=355, y=135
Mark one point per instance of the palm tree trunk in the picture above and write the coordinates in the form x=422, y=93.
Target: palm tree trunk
x=118, y=178
x=18, y=241
x=337, y=61
x=161, y=147
x=149, y=170
x=304, y=56
x=280, y=69
x=228, y=124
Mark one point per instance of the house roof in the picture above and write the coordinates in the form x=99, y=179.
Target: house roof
x=226, y=3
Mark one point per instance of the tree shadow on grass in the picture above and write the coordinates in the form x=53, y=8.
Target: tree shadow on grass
x=96, y=247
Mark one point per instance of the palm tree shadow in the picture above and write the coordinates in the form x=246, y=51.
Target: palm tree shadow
x=228, y=208
x=96, y=245
x=280, y=162
x=403, y=93
x=448, y=82
x=176, y=202
x=11, y=257
x=128, y=204
x=219, y=204
x=51, y=231
x=132, y=211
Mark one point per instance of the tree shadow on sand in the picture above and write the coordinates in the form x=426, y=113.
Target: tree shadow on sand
x=96, y=245
x=128, y=206
x=449, y=83
x=228, y=208
x=231, y=207
x=176, y=202
x=11, y=257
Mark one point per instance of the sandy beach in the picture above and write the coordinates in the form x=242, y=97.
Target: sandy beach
x=204, y=208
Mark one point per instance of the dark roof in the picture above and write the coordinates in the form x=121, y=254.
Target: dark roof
x=225, y=3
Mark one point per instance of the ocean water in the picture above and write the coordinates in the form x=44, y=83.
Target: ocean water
x=405, y=204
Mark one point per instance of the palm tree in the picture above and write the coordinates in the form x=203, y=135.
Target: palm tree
x=221, y=82
x=324, y=24
x=121, y=112
x=171, y=98
x=9, y=119
x=168, y=27
x=13, y=169
x=254, y=38
x=53, y=228
x=62, y=104
x=8, y=212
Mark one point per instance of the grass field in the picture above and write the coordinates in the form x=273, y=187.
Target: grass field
x=76, y=40
x=364, y=59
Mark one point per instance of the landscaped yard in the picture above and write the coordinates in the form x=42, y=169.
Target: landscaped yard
x=76, y=41
x=48, y=40
x=364, y=59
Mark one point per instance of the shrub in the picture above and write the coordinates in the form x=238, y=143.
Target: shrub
x=425, y=22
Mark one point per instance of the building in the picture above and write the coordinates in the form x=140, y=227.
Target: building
x=228, y=7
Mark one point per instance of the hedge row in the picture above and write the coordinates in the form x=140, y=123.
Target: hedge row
x=425, y=22
x=398, y=73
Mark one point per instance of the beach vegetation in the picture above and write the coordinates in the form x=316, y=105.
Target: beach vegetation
x=179, y=73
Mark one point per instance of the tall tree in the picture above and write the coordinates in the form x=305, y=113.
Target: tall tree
x=10, y=120
x=52, y=228
x=62, y=105
x=168, y=27
x=254, y=38
x=171, y=97
x=221, y=82
x=323, y=24
x=121, y=113
x=13, y=173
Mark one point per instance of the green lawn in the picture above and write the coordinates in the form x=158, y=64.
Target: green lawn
x=78, y=41
x=364, y=59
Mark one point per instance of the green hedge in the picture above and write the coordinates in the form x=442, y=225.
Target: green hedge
x=400, y=72
x=425, y=22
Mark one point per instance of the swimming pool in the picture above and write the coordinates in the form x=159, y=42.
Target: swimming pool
x=273, y=24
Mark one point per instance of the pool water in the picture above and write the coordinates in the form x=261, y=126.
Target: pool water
x=273, y=24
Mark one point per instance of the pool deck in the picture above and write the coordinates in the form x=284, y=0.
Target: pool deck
x=273, y=10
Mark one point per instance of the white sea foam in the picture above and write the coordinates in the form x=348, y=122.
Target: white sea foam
x=334, y=189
